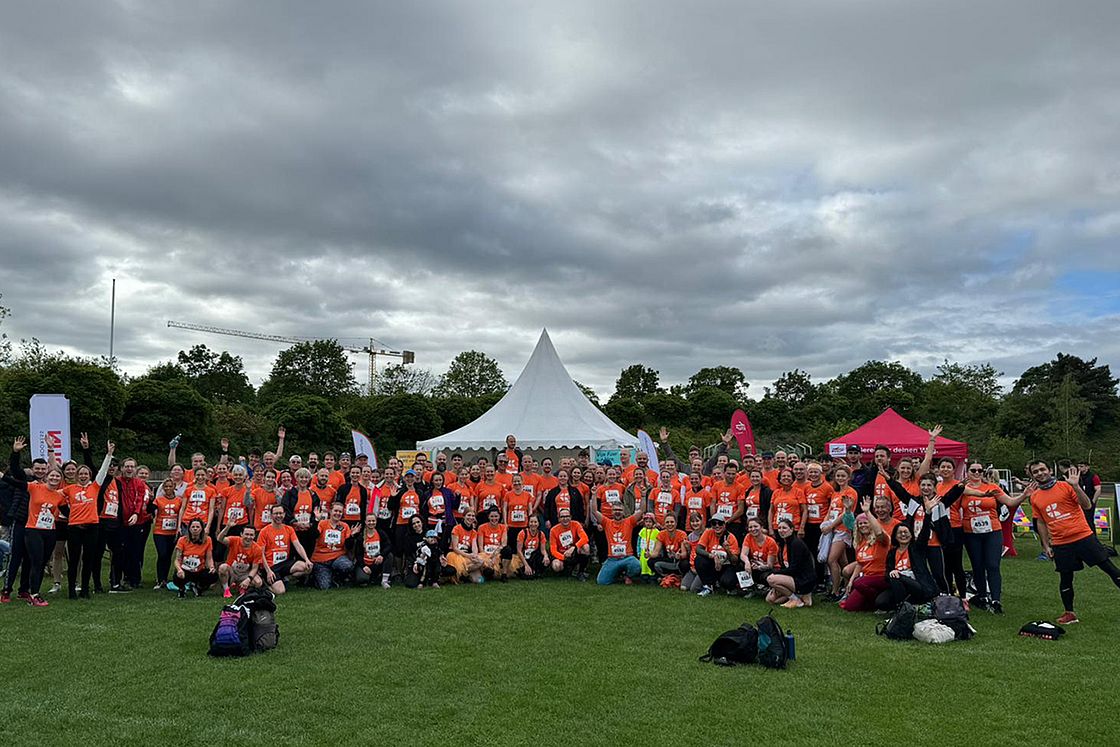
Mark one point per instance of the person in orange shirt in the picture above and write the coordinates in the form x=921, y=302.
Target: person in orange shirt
x=759, y=553
x=569, y=545
x=198, y=502
x=546, y=480
x=727, y=501
x=868, y=575
x=371, y=555
x=490, y=545
x=235, y=502
x=512, y=454
x=44, y=499
x=331, y=563
x=983, y=535
x=715, y=558
x=532, y=551
x=501, y=471
x=787, y=502
x=82, y=519
x=619, y=533
x=517, y=506
x=818, y=497
x=264, y=498
x=243, y=560
x=194, y=558
x=461, y=555
x=794, y=578
x=671, y=551
x=488, y=493
x=284, y=555
x=1066, y=536
x=166, y=507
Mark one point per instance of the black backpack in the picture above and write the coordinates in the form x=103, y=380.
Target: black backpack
x=1042, y=629
x=738, y=646
x=231, y=635
x=772, y=651
x=947, y=607
x=900, y=626
x=264, y=633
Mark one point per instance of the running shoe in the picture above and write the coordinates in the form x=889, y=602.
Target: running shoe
x=793, y=603
x=171, y=586
x=227, y=594
x=24, y=596
x=1068, y=618
x=996, y=607
x=159, y=585
x=1042, y=556
x=704, y=592
x=385, y=583
x=38, y=601
x=55, y=588
x=5, y=597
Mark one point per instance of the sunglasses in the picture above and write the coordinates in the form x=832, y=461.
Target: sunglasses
x=974, y=469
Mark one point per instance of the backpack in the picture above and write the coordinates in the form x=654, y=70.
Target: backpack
x=1042, y=629
x=900, y=626
x=738, y=646
x=231, y=634
x=772, y=651
x=264, y=633
x=947, y=607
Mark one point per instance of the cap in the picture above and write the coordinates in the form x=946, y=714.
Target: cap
x=410, y=472
x=344, y=455
x=854, y=449
x=362, y=456
x=431, y=534
x=767, y=455
x=649, y=515
x=716, y=520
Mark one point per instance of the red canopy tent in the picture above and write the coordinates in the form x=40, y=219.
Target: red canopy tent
x=898, y=434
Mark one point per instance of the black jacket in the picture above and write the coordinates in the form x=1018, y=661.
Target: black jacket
x=794, y=559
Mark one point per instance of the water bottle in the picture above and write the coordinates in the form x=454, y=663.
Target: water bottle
x=791, y=646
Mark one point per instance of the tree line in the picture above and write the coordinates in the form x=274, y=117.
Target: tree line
x=1066, y=407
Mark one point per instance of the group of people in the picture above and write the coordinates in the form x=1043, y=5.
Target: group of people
x=865, y=535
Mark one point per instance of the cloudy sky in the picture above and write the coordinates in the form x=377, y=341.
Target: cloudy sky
x=764, y=185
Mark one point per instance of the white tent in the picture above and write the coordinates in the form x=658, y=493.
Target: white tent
x=544, y=409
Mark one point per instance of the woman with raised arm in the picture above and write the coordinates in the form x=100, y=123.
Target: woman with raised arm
x=44, y=498
x=983, y=535
x=868, y=574
x=839, y=523
x=81, y=509
x=927, y=508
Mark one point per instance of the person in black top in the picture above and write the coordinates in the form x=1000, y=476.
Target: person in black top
x=935, y=521
x=794, y=576
x=908, y=575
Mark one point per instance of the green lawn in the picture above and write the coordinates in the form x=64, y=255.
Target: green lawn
x=552, y=662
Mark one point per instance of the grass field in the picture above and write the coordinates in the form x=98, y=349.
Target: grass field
x=552, y=662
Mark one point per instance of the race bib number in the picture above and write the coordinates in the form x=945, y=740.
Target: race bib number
x=746, y=581
x=752, y=512
x=303, y=517
x=167, y=524
x=436, y=503
x=373, y=549
x=353, y=509
x=723, y=512
x=612, y=496
x=618, y=549
x=489, y=549
x=236, y=513
x=266, y=515
x=45, y=520
x=191, y=563
x=279, y=556
x=664, y=499
x=489, y=501
x=814, y=511
x=333, y=536
x=785, y=515
x=408, y=512
x=981, y=524
x=111, y=509
x=384, y=513
x=696, y=502
x=517, y=514
x=566, y=539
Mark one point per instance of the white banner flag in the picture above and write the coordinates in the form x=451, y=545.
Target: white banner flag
x=645, y=443
x=362, y=445
x=50, y=423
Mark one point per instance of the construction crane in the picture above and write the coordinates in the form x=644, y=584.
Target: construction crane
x=406, y=356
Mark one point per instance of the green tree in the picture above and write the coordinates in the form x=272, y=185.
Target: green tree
x=627, y=413
x=318, y=368
x=219, y=377
x=399, y=421
x=398, y=378
x=1027, y=409
x=245, y=427
x=665, y=409
x=589, y=393
x=710, y=407
x=726, y=378
x=636, y=382
x=793, y=387
x=157, y=410
x=471, y=374
x=871, y=388
x=311, y=422
x=1069, y=422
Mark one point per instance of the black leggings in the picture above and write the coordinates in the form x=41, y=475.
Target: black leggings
x=38, y=544
x=954, y=564
x=109, y=538
x=81, y=547
x=936, y=559
x=902, y=589
x=709, y=576
x=813, y=540
x=165, y=548
x=1065, y=582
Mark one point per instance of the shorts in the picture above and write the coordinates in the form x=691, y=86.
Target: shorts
x=283, y=569
x=236, y=578
x=843, y=537
x=1076, y=555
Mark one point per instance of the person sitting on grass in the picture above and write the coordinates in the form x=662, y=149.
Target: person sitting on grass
x=569, y=546
x=619, y=532
x=759, y=554
x=194, y=560
x=715, y=558
x=491, y=548
x=908, y=573
x=331, y=563
x=372, y=558
x=427, y=563
x=671, y=551
x=867, y=576
x=243, y=559
x=530, y=559
x=462, y=560
x=284, y=556
x=794, y=576
x=691, y=582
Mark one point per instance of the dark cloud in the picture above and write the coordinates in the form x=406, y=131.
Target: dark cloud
x=768, y=186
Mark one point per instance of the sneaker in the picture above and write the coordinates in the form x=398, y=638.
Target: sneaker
x=627, y=580
x=435, y=586
x=38, y=601
x=704, y=592
x=118, y=589
x=1068, y=618
x=1042, y=556
x=195, y=590
x=979, y=602
x=227, y=594
x=385, y=584
x=159, y=585
x=5, y=597
x=171, y=586
x=996, y=607
x=582, y=577
x=55, y=588
x=24, y=597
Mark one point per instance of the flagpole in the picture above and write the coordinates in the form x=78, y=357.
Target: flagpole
x=112, y=321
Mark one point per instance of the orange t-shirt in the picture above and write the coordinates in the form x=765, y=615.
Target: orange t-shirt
x=662, y=501
x=786, y=503
x=770, y=478
x=530, y=543
x=517, y=508
x=980, y=514
x=236, y=513
x=241, y=556
x=83, y=504
x=42, y=506
x=563, y=500
x=561, y=538
x=817, y=500
x=725, y=499
x=491, y=538
x=331, y=542
x=462, y=539
x=167, y=515
x=192, y=555
x=672, y=541
x=371, y=546
x=956, y=517
x=198, y=502
x=410, y=506
x=619, y=534
x=111, y=508
x=277, y=543
x=902, y=560
x=546, y=483
x=1058, y=508
x=337, y=479
x=696, y=501
x=872, y=556
x=513, y=464
x=709, y=540
x=352, y=506
x=607, y=495
x=760, y=552
x=883, y=489
x=488, y=494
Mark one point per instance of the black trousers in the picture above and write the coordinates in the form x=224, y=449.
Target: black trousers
x=38, y=545
x=813, y=540
x=902, y=589
x=954, y=564
x=709, y=576
x=81, y=548
x=165, y=548
x=17, y=562
x=577, y=563
x=109, y=538
x=132, y=541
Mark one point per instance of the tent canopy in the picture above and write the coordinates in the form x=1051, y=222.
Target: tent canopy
x=544, y=409
x=897, y=433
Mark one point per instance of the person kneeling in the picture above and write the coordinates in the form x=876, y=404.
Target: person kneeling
x=794, y=576
x=427, y=563
x=194, y=560
x=491, y=548
x=371, y=557
x=619, y=533
x=529, y=561
x=462, y=561
x=715, y=558
x=569, y=546
x=284, y=556
x=243, y=560
x=331, y=564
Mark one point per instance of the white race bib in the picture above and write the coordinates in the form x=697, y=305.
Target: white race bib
x=724, y=511
x=436, y=502
x=353, y=509
x=664, y=499
x=611, y=496
x=517, y=514
x=266, y=515
x=333, y=536
x=566, y=539
x=618, y=549
x=236, y=513
x=752, y=512
x=981, y=524
x=240, y=567
x=696, y=502
x=746, y=581
x=191, y=562
x=279, y=556
x=45, y=519
x=408, y=512
x=785, y=515
x=814, y=511
x=167, y=524
x=303, y=517
x=373, y=549
x=488, y=549
x=111, y=509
